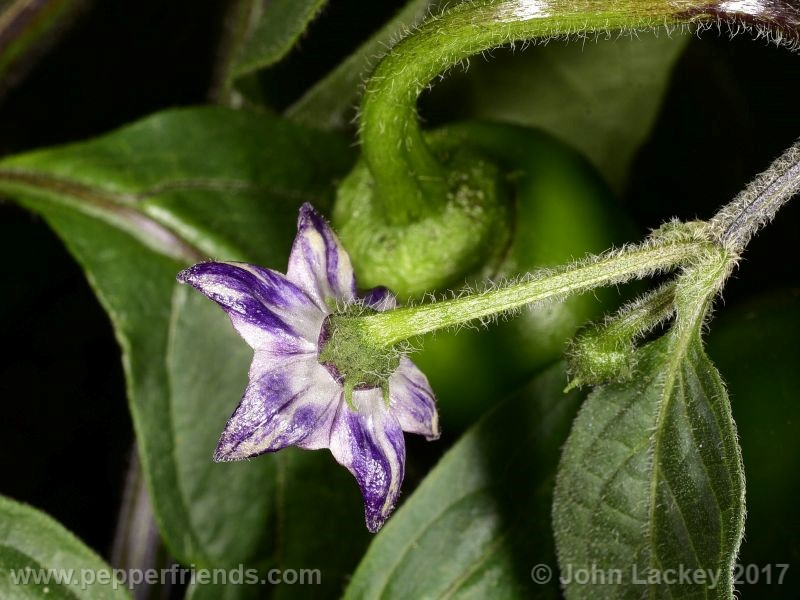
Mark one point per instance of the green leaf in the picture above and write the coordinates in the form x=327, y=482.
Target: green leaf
x=262, y=32
x=480, y=521
x=188, y=183
x=602, y=97
x=34, y=545
x=651, y=480
x=134, y=207
x=756, y=348
x=330, y=104
x=27, y=29
x=220, y=591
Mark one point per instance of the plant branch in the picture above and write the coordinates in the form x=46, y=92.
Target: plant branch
x=759, y=202
x=392, y=327
x=410, y=180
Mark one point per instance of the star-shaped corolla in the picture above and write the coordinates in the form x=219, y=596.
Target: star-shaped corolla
x=292, y=399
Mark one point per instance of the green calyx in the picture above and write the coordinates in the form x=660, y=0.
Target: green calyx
x=352, y=358
x=461, y=234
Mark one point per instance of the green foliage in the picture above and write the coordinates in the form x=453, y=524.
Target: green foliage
x=606, y=351
x=133, y=207
x=651, y=480
x=27, y=29
x=561, y=210
x=755, y=346
x=330, y=103
x=32, y=541
x=601, y=96
x=191, y=183
x=223, y=592
x=480, y=520
x=262, y=32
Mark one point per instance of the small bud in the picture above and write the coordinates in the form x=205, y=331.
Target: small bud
x=606, y=352
x=593, y=359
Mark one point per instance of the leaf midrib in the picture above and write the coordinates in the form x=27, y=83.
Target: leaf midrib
x=677, y=352
x=123, y=210
x=109, y=206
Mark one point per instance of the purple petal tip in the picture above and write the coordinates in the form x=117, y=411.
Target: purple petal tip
x=375, y=520
x=222, y=455
x=308, y=216
x=380, y=298
x=224, y=452
x=435, y=436
x=190, y=274
x=183, y=276
x=228, y=451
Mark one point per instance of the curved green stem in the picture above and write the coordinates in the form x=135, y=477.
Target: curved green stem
x=410, y=180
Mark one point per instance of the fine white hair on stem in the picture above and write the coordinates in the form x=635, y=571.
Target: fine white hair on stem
x=760, y=201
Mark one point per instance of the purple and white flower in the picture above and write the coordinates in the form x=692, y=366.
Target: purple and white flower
x=292, y=399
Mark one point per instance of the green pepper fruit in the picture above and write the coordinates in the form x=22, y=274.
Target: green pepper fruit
x=466, y=234
x=756, y=347
x=535, y=203
x=562, y=210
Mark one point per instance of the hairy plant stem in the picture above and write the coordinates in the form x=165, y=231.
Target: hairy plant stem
x=640, y=316
x=392, y=327
x=722, y=239
x=410, y=180
x=760, y=201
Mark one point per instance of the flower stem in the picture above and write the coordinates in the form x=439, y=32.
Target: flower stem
x=411, y=182
x=718, y=242
x=392, y=327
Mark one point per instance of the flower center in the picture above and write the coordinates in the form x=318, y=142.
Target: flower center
x=350, y=357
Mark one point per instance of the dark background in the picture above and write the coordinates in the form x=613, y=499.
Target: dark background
x=731, y=108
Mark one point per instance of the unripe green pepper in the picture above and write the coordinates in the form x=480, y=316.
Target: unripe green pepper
x=562, y=210
x=539, y=204
x=467, y=234
x=400, y=216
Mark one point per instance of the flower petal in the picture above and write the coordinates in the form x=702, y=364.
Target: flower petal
x=380, y=299
x=318, y=263
x=291, y=403
x=412, y=401
x=269, y=311
x=370, y=444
